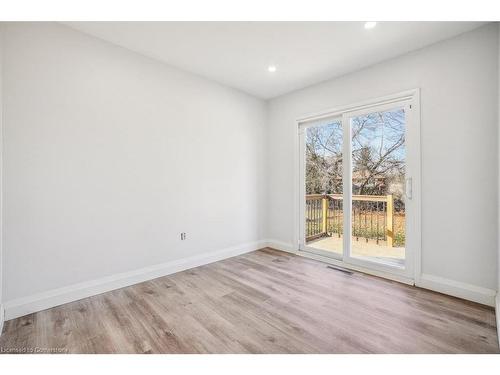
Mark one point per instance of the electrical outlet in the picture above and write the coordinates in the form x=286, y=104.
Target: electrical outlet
x=183, y=236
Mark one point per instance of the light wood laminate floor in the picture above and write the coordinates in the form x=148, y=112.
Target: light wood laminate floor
x=266, y=301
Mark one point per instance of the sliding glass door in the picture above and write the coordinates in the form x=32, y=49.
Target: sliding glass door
x=323, y=148
x=356, y=186
x=377, y=201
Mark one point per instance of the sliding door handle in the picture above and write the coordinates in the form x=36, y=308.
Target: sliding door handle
x=409, y=188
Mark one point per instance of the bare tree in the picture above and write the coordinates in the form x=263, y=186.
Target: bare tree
x=324, y=159
x=378, y=153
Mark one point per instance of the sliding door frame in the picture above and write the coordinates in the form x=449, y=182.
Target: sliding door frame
x=410, y=101
x=302, y=196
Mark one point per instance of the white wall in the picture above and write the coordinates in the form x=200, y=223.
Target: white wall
x=498, y=228
x=110, y=155
x=498, y=209
x=459, y=107
x=1, y=182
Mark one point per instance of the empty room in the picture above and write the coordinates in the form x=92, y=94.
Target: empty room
x=312, y=187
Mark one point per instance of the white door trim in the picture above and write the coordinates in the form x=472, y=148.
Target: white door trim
x=374, y=102
x=411, y=98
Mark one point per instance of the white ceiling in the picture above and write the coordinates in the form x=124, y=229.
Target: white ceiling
x=237, y=54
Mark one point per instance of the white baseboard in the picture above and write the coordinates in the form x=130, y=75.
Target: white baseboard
x=41, y=301
x=280, y=245
x=45, y=300
x=457, y=289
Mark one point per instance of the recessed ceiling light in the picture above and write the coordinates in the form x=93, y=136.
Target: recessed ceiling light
x=271, y=68
x=370, y=25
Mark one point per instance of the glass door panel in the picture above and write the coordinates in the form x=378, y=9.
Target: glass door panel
x=378, y=163
x=324, y=188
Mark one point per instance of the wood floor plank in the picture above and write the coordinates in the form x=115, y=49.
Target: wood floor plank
x=266, y=301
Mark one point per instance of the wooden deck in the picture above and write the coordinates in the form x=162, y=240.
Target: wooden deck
x=368, y=249
x=262, y=302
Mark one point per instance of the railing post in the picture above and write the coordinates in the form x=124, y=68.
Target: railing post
x=390, y=222
x=324, y=206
